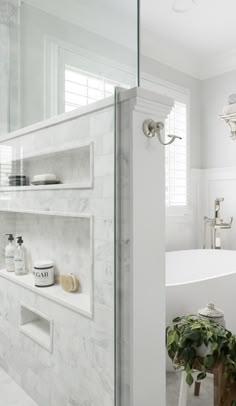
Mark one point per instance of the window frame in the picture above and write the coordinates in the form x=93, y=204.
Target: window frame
x=54, y=46
x=182, y=95
x=88, y=76
x=58, y=54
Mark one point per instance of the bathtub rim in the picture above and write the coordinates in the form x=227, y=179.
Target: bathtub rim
x=194, y=281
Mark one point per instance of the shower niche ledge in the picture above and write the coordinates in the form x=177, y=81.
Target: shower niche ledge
x=67, y=240
x=72, y=163
x=78, y=302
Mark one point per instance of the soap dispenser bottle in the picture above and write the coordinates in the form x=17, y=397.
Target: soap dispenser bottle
x=10, y=254
x=20, y=258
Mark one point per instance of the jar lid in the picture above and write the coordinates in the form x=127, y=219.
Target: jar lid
x=43, y=264
x=211, y=312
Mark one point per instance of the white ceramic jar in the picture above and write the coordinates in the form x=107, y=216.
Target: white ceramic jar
x=43, y=273
x=212, y=313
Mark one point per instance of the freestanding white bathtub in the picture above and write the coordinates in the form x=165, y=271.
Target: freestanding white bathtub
x=197, y=277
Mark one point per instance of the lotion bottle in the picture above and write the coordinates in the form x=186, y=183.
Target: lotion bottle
x=10, y=254
x=20, y=258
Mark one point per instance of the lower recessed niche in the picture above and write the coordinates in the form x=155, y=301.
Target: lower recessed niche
x=37, y=326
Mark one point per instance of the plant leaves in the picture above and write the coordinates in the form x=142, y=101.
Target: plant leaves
x=177, y=320
x=201, y=376
x=187, y=333
x=209, y=361
x=189, y=379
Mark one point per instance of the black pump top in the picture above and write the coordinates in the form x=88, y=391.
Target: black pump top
x=19, y=240
x=10, y=238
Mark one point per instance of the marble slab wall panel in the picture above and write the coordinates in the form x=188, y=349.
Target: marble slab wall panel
x=66, y=241
x=70, y=166
x=80, y=370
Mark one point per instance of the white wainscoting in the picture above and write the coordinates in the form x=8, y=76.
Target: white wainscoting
x=181, y=230
x=218, y=182
x=186, y=232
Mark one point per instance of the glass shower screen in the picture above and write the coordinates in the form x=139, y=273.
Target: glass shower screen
x=62, y=61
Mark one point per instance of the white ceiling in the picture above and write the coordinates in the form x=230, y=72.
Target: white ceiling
x=209, y=26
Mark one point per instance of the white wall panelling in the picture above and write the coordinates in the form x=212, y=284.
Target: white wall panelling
x=218, y=182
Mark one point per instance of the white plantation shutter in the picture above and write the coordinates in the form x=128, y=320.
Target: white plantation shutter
x=82, y=88
x=6, y=166
x=176, y=157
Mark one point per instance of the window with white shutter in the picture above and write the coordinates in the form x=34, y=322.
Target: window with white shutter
x=82, y=88
x=6, y=166
x=176, y=157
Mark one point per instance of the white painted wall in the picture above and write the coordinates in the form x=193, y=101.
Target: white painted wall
x=218, y=150
x=217, y=179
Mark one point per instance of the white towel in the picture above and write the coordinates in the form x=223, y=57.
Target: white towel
x=232, y=98
x=229, y=109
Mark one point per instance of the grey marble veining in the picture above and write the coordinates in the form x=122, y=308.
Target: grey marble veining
x=11, y=393
x=80, y=371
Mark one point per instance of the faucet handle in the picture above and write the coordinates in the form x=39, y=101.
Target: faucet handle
x=219, y=199
x=223, y=225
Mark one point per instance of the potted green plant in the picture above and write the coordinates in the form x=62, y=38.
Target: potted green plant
x=191, y=340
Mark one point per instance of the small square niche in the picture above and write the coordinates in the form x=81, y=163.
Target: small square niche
x=37, y=326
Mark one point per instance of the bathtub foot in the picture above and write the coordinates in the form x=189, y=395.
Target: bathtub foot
x=184, y=389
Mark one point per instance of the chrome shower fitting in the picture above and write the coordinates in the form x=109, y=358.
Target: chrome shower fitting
x=216, y=225
x=152, y=128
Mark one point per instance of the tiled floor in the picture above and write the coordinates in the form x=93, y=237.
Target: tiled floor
x=173, y=385
x=11, y=394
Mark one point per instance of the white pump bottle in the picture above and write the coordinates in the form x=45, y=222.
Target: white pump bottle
x=10, y=254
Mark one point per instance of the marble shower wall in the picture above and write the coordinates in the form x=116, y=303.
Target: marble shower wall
x=9, y=65
x=80, y=370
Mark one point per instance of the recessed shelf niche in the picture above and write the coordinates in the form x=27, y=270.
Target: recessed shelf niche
x=37, y=326
x=72, y=164
x=65, y=238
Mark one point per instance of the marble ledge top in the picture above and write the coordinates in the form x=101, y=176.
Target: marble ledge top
x=78, y=302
